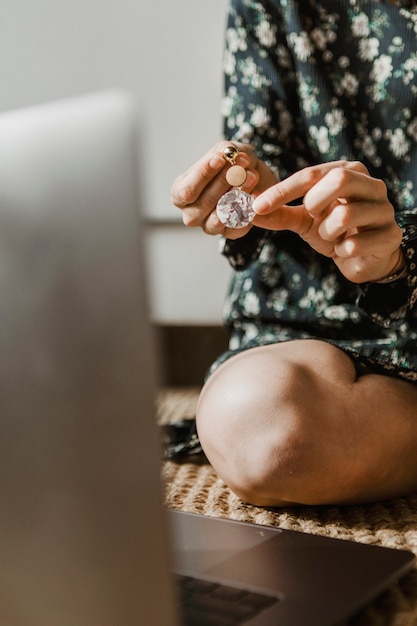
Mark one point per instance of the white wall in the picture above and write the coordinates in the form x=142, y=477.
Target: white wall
x=168, y=54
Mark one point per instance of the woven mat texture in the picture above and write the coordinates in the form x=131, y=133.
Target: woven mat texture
x=193, y=486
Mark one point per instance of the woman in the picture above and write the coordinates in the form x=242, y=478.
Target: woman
x=316, y=401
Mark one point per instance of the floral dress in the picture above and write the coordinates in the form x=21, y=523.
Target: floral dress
x=309, y=81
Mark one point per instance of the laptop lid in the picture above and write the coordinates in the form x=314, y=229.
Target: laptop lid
x=81, y=527
x=296, y=579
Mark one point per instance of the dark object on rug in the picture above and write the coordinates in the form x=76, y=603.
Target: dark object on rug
x=180, y=439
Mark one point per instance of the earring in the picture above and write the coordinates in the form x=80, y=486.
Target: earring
x=234, y=209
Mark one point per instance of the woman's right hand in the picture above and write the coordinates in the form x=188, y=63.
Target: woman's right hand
x=197, y=191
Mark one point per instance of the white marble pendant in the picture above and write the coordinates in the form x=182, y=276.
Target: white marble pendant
x=234, y=209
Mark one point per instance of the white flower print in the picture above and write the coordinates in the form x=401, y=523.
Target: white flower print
x=344, y=62
x=251, y=74
x=270, y=275
x=331, y=36
x=313, y=297
x=368, y=49
x=329, y=285
x=321, y=137
x=411, y=64
x=229, y=63
x=266, y=33
x=368, y=148
x=251, y=331
x=226, y=106
x=350, y=84
x=302, y=45
x=335, y=120
x=336, y=313
x=234, y=343
x=251, y=304
x=406, y=197
x=240, y=118
x=319, y=38
x=397, y=44
x=244, y=133
x=227, y=307
x=410, y=69
x=236, y=39
x=376, y=133
x=308, y=98
x=399, y=144
x=260, y=118
x=360, y=25
x=382, y=68
x=267, y=254
x=278, y=299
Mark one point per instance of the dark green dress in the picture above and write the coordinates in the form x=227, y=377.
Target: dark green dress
x=308, y=82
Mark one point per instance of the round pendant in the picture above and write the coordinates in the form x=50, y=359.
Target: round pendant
x=236, y=175
x=234, y=209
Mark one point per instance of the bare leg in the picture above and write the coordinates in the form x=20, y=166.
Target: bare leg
x=292, y=423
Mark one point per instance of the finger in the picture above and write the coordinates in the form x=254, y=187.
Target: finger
x=293, y=218
x=291, y=188
x=343, y=183
x=198, y=212
x=297, y=185
x=213, y=226
x=353, y=215
x=188, y=187
x=378, y=243
x=252, y=179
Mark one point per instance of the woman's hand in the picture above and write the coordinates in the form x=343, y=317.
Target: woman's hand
x=344, y=214
x=197, y=191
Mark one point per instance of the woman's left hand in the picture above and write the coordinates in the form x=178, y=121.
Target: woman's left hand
x=344, y=214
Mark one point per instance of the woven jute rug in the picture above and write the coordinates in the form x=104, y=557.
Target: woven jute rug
x=193, y=486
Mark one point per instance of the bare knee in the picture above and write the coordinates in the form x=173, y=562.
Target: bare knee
x=257, y=427
x=290, y=423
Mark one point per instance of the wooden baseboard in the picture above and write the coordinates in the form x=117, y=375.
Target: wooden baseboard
x=188, y=351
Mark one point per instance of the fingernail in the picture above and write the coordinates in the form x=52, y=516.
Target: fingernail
x=251, y=179
x=255, y=204
x=260, y=205
x=216, y=162
x=243, y=159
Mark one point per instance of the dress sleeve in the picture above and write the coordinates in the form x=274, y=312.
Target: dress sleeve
x=389, y=305
x=260, y=104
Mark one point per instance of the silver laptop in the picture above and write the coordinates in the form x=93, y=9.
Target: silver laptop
x=84, y=540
